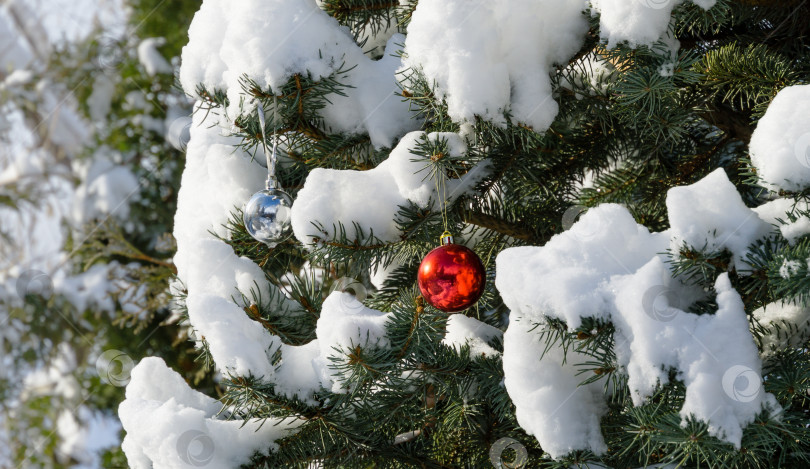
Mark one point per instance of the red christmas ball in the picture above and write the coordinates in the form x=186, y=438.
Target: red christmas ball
x=451, y=278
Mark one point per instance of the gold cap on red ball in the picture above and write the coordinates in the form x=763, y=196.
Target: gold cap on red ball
x=446, y=238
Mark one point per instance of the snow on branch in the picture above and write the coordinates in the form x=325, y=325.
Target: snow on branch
x=271, y=41
x=371, y=199
x=609, y=268
x=169, y=425
x=780, y=145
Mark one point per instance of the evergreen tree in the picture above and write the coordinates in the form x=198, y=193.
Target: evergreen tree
x=67, y=351
x=656, y=118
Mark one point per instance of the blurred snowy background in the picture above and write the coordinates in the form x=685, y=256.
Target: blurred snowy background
x=92, y=133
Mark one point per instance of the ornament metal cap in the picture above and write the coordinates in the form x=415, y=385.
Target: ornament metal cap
x=446, y=238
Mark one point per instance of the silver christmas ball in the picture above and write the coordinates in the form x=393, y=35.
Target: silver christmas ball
x=267, y=216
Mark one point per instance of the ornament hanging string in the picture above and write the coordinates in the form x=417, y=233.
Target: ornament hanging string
x=441, y=192
x=272, y=182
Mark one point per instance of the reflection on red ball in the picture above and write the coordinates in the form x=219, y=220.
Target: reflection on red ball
x=451, y=278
